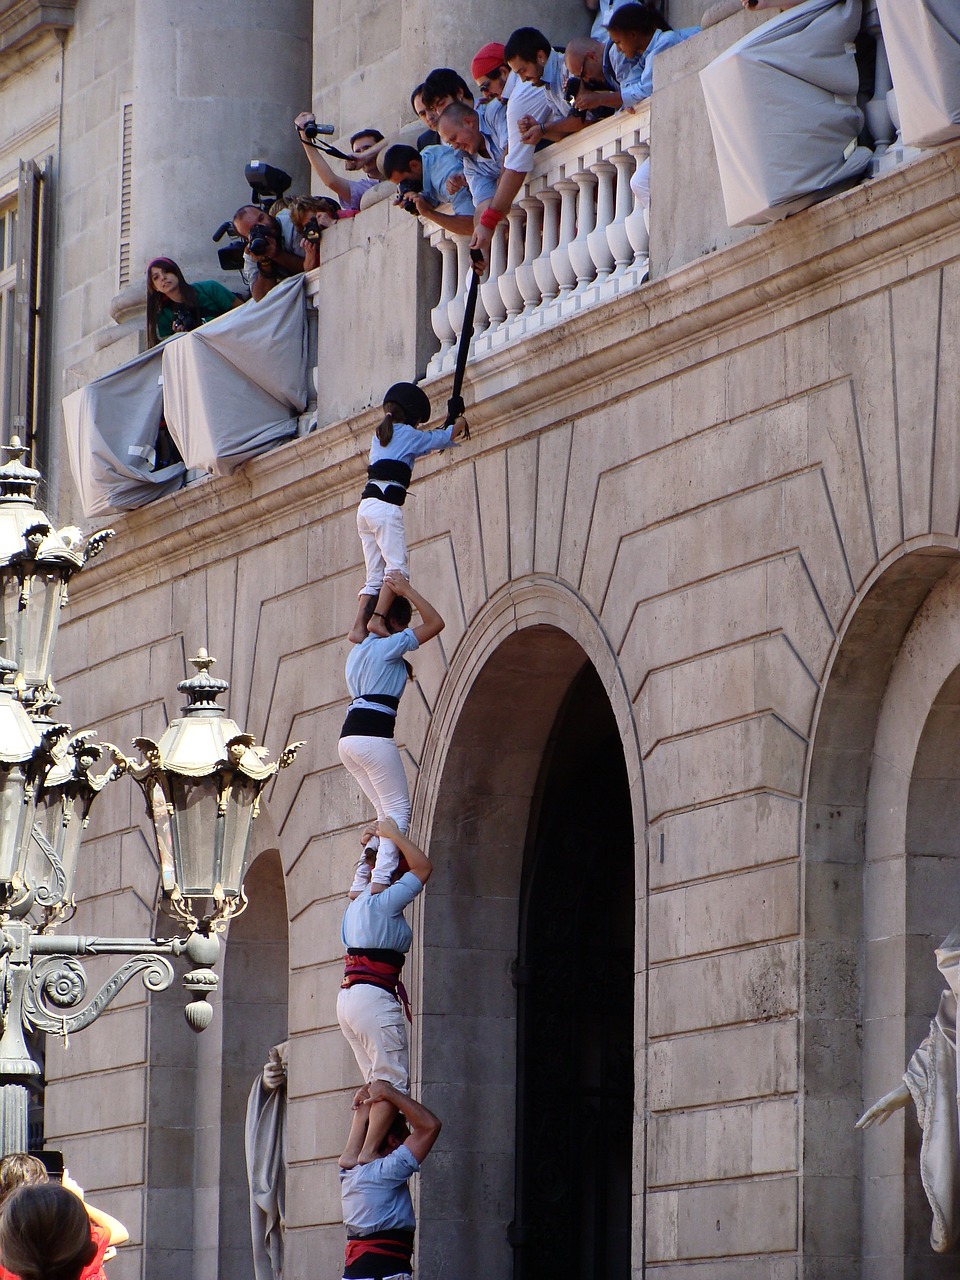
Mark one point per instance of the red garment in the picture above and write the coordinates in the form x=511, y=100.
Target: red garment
x=93, y=1270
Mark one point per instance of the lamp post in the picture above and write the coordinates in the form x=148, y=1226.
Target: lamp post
x=202, y=782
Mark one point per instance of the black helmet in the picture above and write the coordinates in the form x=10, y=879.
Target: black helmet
x=414, y=402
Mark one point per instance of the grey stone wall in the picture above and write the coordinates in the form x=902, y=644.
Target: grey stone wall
x=703, y=490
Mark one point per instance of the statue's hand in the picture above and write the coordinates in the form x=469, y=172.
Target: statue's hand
x=884, y=1109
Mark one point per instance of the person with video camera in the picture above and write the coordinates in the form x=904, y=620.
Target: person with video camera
x=365, y=146
x=589, y=89
x=428, y=179
x=274, y=248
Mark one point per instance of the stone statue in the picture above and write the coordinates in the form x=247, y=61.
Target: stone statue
x=265, y=1140
x=931, y=1081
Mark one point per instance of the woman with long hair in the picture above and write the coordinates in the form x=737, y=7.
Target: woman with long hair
x=174, y=306
x=45, y=1234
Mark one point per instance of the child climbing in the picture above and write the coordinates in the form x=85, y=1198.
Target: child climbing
x=397, y=442
x=376, y=675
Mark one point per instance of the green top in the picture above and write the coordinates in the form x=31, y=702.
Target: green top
x=212, y=299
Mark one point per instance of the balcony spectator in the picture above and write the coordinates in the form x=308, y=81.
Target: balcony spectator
x=429, y=137
x=174, y=306
x=637, y=33
x=602, y=11
x=442, y=86
x=536, y=109
x=494, y=81
x=311, y=216
x=468, y=132
x=365, y=147
x=598, y=97
x=432, y=178
x=278, y=248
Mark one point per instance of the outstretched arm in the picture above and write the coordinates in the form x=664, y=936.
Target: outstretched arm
x=424, y=1125
x=339, y=186
x=896, y=1100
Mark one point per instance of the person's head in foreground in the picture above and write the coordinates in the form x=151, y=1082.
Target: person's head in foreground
x=45, y=1233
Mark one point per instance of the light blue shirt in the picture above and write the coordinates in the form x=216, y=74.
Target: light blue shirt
x=376, y=664
x=604, y=14
x=376, y=920
x=553, y=82
x=482, y=172
x=376, y=1197
x=409, y=443
x=440, y=163
x=493, y=114
x=634, y=76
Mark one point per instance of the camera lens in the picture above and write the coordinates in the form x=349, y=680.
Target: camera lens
x=310, y=129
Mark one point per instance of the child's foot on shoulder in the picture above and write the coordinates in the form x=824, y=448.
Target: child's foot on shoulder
x=357, y=635
x=377, y=627
x=377, y=888
x=347, y=1162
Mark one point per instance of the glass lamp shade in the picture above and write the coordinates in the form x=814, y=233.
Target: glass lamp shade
x=23, y=759
x=36, y=563
x=202, y=782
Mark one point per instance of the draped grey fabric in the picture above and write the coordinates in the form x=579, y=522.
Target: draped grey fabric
x=111, y=426
x=234, y=387
x=783, y=113
x=922, y=39
x=265, y=1145
x=230, y=390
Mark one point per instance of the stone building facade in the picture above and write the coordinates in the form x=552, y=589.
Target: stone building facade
x=684, y=755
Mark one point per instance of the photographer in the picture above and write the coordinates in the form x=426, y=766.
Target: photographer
x=593, y=95
x=365, y=146
x=274, y=248
x=430, y=178
x=311, y=216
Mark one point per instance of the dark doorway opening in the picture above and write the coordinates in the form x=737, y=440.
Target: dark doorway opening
x=575, y=979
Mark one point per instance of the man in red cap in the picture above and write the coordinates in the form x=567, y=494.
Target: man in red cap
x=494, y=81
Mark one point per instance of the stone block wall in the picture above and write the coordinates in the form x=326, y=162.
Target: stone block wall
x=700, y=490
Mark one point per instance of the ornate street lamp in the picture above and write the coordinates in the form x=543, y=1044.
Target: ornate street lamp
x=202, y=783
x=36, y=564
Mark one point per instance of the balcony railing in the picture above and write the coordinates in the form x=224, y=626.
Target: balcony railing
x=576, y=237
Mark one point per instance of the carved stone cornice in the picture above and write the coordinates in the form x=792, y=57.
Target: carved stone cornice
x=28, y=28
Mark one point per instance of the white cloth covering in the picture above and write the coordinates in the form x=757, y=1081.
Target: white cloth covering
x=111, y=426
x=233, y=387
x=782, y=109
x=922, y=40
x=230, y=390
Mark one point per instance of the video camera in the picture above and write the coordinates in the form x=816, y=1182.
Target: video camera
x=266, y=185
x=409, y=187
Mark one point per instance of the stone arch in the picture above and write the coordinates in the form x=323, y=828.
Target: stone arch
x=477, y=800
x=869, y=972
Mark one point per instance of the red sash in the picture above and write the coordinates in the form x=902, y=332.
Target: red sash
x=389, y=1244
x=364, y=970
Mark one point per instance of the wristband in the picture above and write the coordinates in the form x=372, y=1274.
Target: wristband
x=491, y=218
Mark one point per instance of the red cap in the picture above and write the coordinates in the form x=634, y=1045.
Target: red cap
x=486, y=60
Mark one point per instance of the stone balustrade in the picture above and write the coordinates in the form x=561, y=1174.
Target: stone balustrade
x=575, y=237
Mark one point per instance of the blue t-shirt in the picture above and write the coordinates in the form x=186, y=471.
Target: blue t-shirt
x=439, y=164
x=376, y=1197
x=409, y=443
x=376, y=920
x=376, y=664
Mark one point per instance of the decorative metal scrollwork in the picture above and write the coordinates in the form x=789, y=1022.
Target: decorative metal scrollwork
x=60, y=982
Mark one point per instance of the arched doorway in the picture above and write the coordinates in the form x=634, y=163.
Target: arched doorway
x=518, y=710
x=575, y=1005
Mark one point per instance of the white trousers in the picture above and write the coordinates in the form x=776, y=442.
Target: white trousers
x=376, y=765
x=373, y=1025
x=640, y=186
x=380, y=526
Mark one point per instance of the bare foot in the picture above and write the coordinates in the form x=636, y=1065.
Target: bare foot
x=377, y=627
x=347, y=1161
x=378, y=888
x=357, y=635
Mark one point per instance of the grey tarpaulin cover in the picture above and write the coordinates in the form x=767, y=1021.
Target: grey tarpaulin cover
x=231, y=389
x=234, y=387
x=922, y=39
x=111, y=427
x=782, y=108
